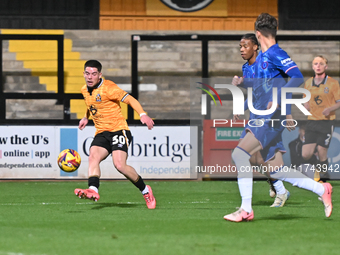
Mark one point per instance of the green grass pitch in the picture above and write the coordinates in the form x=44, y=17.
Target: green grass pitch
x=47, y=218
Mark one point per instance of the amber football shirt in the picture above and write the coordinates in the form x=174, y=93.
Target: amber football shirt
x=103, y=102
x=323, y=96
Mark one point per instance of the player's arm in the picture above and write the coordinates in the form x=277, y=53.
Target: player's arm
x=306, y=105
x=290, y=125
x=290, y=68
x=237, y=81
x=334, y=107
x=336, y=94
x=245, y=107
x=242, y=82
x=289, y=118
x=144, y=118
x=296, y=79
x=83, y=122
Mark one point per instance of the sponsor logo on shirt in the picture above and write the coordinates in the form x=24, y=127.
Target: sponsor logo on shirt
x=286, y=61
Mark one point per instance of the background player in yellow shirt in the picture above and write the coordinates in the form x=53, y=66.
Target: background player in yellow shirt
x=102, y=98
x=325, y=99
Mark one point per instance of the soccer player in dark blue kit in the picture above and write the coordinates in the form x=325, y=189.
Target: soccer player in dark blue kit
x=249, y=52
x=272, y=67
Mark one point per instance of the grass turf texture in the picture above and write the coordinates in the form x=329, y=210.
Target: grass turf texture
x=47, y=218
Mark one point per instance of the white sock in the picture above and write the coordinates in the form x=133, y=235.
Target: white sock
x=279, y=187
x=94, y=188
x=146, y=190
x=245, y=186
x=297, y=178
x=244, y=177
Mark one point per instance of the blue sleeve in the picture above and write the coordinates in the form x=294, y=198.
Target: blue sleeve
x=295, y=81
x=247, y=76
x=246, y=105
x=281, y=60
x=289, y=106
x=247, y=82
x=284, y=63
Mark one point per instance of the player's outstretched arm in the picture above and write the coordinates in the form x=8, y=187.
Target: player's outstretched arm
x=82, y=123
x=144, y=118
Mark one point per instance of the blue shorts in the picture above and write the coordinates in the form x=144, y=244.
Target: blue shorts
x=269, y=135
x=269, y=151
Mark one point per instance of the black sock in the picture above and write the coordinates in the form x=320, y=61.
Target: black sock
x=271, y=183
x=139, y=183
x=312, y=161
x=94, y=181
x=323, y=167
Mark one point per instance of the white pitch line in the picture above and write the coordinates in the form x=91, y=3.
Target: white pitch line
x=59, y=203
x=19, y=253
x=119, y=203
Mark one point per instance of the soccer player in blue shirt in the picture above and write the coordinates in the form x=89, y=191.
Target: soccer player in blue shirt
x=273, y=65
x=249, y=52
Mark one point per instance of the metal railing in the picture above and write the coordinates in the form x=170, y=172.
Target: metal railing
x=60, y=96
x=204, y=39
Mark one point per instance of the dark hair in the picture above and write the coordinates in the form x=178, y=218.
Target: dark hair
x=251, y=37
x=266, y=24
x=93, y=63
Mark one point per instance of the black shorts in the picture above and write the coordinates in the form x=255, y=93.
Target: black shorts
x=319, y=132
x=112, y=141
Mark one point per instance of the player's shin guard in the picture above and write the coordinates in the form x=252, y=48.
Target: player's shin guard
x=244, y=177
x=298, y=179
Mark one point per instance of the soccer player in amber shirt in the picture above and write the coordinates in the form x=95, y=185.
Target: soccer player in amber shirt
x=102, y=98
x=325, y=99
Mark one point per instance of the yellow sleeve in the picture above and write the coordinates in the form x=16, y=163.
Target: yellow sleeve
x=130, y=100
x=87, y=114
x=336, y=91
x=306, y=85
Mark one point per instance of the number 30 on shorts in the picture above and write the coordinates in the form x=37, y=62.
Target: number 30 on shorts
x=118, y=139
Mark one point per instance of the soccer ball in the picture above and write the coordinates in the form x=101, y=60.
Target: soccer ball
x=69, y=160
